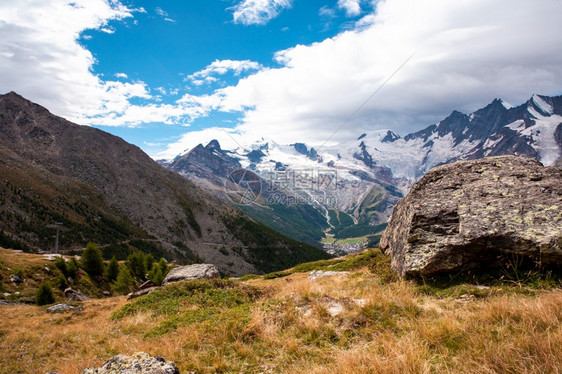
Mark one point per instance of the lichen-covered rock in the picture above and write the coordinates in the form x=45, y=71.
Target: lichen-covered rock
x=464, y=215
x=190, y=272
x=138, y=363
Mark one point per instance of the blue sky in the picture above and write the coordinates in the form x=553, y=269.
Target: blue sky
x=180, y=38
x=166, y=75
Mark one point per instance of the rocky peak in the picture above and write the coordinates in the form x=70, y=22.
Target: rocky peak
x=303, y=150
x=202, y=160
x=214, y=145
x=390, y=137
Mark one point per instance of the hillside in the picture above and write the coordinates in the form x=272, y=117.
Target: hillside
x=363, y=321
x=102, y=189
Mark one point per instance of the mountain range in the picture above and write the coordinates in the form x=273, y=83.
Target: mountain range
x=349, y=190
x=99, y=188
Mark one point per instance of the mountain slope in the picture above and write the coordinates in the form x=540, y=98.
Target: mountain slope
x=56, y=171
x=222, y=175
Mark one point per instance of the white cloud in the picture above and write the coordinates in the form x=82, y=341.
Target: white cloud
x=41, y=59
x=228, y=139
x=326, y=11
x=258, y=12
x=162, y=13
x=466, y=53
x=352, y=7
x=221, y=67
x=126, y=114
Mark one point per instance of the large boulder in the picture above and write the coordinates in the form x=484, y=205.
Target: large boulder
x=190, y=272
x=138, y=363
x=465, y=215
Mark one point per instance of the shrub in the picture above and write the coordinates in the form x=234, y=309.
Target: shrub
x=112, y=270
x=61, y=282
x=72, y=268
x=92, y=260
x=44, y=295
x=60, y=263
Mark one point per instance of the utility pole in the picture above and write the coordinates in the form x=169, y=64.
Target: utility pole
x=58, y=226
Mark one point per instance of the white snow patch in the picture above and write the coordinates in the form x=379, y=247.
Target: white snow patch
x=534, y=112
x=543, y=105
x=542, y=137
x=506, y=105
x=516, y=126
x=491, y=143
x=443, y=149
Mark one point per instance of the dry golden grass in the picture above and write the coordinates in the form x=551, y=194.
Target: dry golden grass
x=346, y=325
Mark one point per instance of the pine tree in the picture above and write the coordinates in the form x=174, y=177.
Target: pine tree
x=136, y=264
x=124, y=281
x=72, y=268
x=163, y=265
x=44, y=295
x=112, y=270
x=148, y=262
x=92, y=260
x=156, y=276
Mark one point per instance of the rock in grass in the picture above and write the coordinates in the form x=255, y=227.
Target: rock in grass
x=142, y=292
x=465, y=215
x=190, y=272
x=317, y=274
x=138, y=363
x=73, y=295
x=62, y=307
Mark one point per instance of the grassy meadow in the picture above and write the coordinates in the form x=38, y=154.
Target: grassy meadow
x=362, y=321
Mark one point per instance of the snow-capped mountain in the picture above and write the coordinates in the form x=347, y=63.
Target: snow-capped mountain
x=533, y=129
x=357, y=183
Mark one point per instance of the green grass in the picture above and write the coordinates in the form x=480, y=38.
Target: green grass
x=362, y=239
x=193, y=302
x=374, y=259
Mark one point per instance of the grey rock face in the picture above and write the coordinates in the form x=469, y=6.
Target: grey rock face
x=463, y=215
x=144, y=291
x=190, y=272
x=62, y=307
x=138, y=363
x=317, y=274
x=73, y=295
